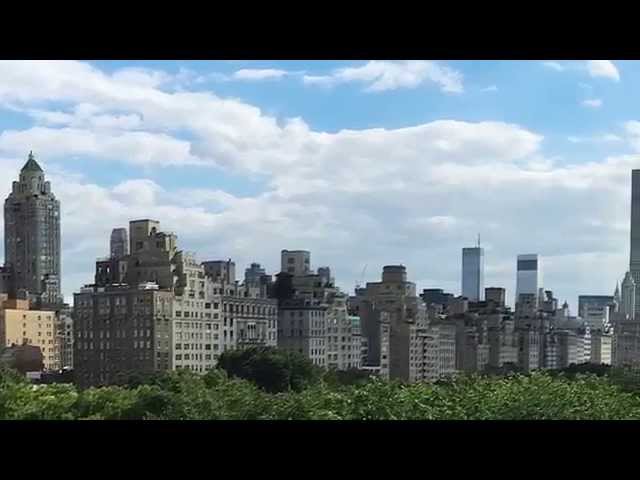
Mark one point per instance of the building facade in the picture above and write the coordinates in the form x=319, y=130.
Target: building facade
x=120, y=331
x=302, y=328
x=32, y=235
x=21, y=326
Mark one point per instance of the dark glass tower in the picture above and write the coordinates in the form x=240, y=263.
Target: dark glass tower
x=32, y=235
x=634, y=261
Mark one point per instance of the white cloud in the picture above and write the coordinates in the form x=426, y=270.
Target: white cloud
x=333, y=193
x=380, y=76
x=632, y=129
x=592, y=103
x=602, y=138
x=259, y=74
x=595, y=68
x=554, y=66
x=603, y=68
x=138, y=148
x=491, y=88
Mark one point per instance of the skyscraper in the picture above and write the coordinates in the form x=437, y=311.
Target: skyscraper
x=473, y=273
x=529, y=277
x=119, y=244
x=628, y=302
x=634, y=261
x=32, y=234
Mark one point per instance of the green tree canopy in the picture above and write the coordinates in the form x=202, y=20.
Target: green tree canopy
x=271, y=369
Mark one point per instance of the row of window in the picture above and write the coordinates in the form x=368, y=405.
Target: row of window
x=195, y=356
x=250, y=309
x=196, y=346
x=197, y=325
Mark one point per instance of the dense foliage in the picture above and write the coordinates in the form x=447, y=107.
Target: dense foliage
x=216, y=395
x=274, y=370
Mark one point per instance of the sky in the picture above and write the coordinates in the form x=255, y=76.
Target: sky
x=364, y=163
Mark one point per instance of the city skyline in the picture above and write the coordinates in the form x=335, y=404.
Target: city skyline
x=110, y=139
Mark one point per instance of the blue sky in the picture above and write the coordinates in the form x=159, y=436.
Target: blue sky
x=363, y=163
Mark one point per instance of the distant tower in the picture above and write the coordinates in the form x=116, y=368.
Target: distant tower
x=119, y=244
x=32, y=234
x=253, y=274
x=473, y=273
x=634, y=260
x=616, y=298
x=529, y=278
x=628, y=304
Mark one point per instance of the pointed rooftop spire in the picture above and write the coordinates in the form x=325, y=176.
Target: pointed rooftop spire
x=31, y=165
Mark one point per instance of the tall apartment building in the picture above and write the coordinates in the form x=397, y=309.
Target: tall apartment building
x=314, y=315
x=120, y=331
x=529, y=348
x=434, y=351
x=169, y=287
x=503, y=340
x=302, y=327
x=249, y=317
x=21, y=326
x=32, y=236
x=472, y=343
x=601, y=348
x=343, y=343
x=392, y=305
x=473, y=273
x=626, y=344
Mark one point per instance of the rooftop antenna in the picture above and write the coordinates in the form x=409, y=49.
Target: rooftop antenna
x=478, y=240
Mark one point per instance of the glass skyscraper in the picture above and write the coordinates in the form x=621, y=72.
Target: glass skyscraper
x=529, y=279
x=473, y=273
x=634, y=261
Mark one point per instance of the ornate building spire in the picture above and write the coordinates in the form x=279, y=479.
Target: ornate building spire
x=31, y=165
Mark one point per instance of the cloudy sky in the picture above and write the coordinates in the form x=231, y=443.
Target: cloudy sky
x=363, y=163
